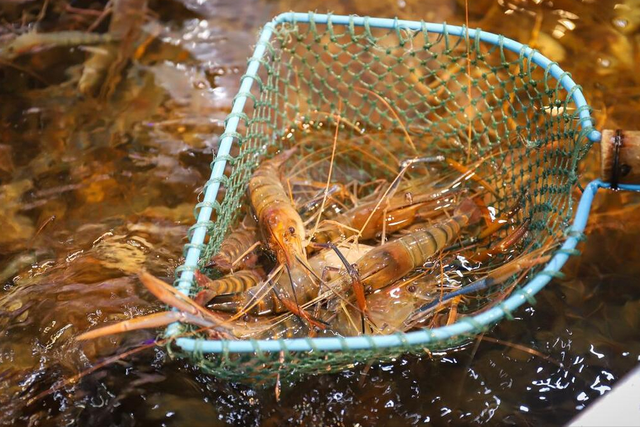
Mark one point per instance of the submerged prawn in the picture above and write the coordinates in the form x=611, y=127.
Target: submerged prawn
x=399, y=211
x=281, y=226
x=390, y=308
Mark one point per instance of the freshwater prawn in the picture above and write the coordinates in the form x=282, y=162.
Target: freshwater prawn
x=237, y=251
x=278, y=219
x=395, y=259
x=257, y=300
x=389, y=308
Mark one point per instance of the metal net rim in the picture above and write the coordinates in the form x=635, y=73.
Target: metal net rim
x=465, y=326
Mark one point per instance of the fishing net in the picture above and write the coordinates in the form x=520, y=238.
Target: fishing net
x=401, y=89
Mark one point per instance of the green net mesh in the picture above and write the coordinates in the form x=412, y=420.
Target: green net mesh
x=462, y=98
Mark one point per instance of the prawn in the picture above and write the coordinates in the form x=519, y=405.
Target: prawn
x=277, y=217
x=281, y=225
x=388, y=308
x=400, y=211
x=389, y=262
x=401, y=306
x=237, y=249
x=326, y=264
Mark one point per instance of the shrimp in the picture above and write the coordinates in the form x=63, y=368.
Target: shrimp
x=277, y=217
x=388, y=308
x=389, y=262
x=230, y=284
x=256, y=300
x=369, y=218
x=401, y=306
x=237, y=249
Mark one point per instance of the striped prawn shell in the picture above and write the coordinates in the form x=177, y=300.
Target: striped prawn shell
x=233, y=247
x=230, y=284
x=387, y=263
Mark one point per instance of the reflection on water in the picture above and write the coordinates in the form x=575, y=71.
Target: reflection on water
x=91, y=192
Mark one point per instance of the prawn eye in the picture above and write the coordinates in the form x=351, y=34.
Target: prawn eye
x=292, y=230
x=411, y=288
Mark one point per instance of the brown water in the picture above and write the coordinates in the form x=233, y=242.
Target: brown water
x=91, y=192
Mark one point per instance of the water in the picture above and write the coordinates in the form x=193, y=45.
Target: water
x=93, y=192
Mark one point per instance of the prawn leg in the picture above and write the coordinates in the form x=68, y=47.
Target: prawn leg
x=171, y=296
x=509, y=241
x=155, y=320
x=496, y=277
x=301, y=313
x=187, y=311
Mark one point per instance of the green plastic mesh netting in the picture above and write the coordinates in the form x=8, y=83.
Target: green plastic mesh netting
x=463, y=94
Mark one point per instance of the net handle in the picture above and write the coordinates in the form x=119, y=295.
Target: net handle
x=620, y=157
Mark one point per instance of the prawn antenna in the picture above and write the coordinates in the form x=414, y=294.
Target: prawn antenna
x=353, y=273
